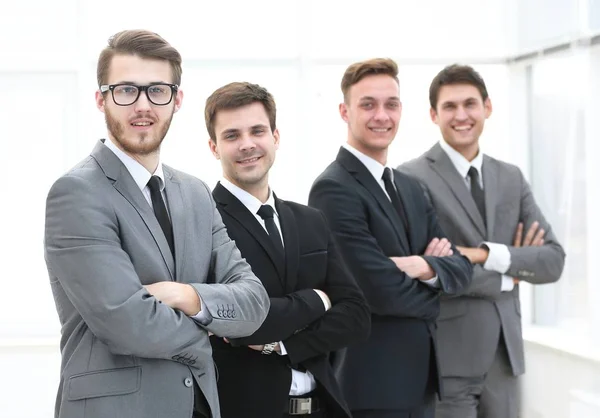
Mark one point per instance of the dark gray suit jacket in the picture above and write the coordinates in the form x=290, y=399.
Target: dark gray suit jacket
x=125, y=354
x=469, y=325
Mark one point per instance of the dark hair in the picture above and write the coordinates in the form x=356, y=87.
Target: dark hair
x=359, y=70
x=456, y=74
x=235, y=95
x=142, y=43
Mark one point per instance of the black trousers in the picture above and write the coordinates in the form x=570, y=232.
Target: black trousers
x=201, y=407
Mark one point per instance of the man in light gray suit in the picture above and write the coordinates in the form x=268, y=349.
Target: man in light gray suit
x=140, y=264
x=483, y=205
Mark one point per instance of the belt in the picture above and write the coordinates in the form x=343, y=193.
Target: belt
x=302, y=406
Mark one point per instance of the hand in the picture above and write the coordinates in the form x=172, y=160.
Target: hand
x=260, y=348
x=475, y=255
x=439, y=248
x=176, y=295
x=533, y=238
x=415, y=267
x=325, y=298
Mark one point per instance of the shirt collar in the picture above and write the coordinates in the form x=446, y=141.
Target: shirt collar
x=461, y=164
x=374, y=166
x=140, y=175
x=251, y=202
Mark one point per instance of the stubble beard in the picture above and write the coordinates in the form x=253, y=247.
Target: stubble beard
x=143, y=144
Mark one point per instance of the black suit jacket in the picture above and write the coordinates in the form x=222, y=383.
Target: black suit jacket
x=396, y=368
x=255, y=385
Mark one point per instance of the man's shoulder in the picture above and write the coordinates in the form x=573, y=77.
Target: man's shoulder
x=301, y=209
x=508, y=172
x=186, y=179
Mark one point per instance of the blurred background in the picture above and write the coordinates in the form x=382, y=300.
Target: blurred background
x=540, y=60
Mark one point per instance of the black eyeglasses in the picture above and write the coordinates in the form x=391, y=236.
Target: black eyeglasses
x=159, y=94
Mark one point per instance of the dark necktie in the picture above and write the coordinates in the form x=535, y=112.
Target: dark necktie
x=477, y=192
x=266, y=212
x=160, y=210
x=393, y=194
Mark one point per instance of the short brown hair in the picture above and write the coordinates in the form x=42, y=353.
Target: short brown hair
x=359, y=70
x=236, y=95
x=456, y=74
x=142, y=43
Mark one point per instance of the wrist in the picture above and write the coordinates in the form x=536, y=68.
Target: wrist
x=482, y=255
x=428, y=272
x=188, y=301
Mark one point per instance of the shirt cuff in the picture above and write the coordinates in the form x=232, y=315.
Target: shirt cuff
x=498, y=258
x=433, y=282
x=507, y=284
x=282, y=350
x=325, y=301
x=203, y=317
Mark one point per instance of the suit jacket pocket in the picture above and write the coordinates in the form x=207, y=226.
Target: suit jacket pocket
x=452, y=309
x=105, y=383
x=313, y=265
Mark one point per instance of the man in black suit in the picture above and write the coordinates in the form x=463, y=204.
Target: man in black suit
x=316, y=306
x=389, y=236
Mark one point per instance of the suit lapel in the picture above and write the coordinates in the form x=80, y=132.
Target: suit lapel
x=237, y=210
x=176, y=211
x=490, y=190
x=406, y=195
x=366, y=179
x=289, y=231
x=126, y=186
x=441, y=164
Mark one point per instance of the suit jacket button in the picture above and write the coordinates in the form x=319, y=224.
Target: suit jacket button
x=188, y=382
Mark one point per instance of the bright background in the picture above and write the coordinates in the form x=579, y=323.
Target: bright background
x=540, y=62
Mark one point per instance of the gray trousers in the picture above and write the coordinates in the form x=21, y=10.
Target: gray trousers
x=494, y=395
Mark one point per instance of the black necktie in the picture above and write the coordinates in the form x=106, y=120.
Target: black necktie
x=266, y=212
x=160, y=210
x=477, y=192
x=391, y=191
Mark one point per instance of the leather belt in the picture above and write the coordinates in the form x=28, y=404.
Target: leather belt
x=303, y=406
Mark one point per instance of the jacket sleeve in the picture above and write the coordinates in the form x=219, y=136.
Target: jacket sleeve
x=387, y=290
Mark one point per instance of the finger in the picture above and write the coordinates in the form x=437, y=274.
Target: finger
x=518, y=235
x=431, y=246
x=442, y=248
x=450, y=252
x=530, y=234
x=226, y=340
x=539, y=238
x=447, y=250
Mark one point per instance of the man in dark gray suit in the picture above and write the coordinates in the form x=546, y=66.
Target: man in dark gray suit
x=140, y=263
x=483, y=205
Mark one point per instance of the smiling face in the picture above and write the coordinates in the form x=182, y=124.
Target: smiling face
x=138, y=129
x=372, y=111
x=246, y=146
x=461, y=113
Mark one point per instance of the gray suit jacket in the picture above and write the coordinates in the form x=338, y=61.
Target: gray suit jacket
x=469, y=325
x=125, y=354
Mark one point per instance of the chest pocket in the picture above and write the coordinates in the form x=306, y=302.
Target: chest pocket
x=313, y=267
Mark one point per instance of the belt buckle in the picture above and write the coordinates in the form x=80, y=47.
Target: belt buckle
x=300, y=406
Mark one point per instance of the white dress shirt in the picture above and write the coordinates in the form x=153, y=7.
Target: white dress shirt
x=499, y=257
x=376, y=169
x=302, y=382
x=141, y=176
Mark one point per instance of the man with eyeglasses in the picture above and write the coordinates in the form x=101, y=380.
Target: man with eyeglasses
x=141, y=266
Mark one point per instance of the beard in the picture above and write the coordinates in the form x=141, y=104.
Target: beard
x=143, y=143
